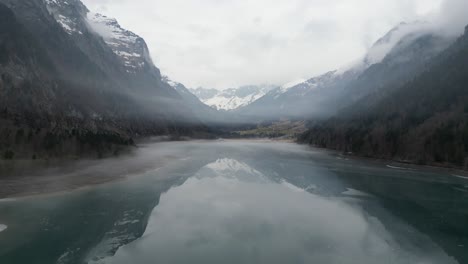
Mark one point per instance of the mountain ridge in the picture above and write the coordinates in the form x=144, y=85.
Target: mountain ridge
x=321, y=96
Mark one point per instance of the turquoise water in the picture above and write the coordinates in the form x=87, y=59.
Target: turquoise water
x=244, y=202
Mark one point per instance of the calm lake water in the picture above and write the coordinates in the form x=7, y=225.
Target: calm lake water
x=239, y=202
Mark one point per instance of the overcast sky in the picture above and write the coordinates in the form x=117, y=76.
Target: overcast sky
x=228, y=43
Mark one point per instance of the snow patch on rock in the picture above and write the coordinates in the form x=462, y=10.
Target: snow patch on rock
x=291, y=84
x=130, y=47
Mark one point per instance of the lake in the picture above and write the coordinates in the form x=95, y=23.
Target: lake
x=233, y=202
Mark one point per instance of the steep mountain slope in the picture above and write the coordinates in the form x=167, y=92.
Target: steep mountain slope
x=396, y=57
x=203, y=112
x=67, y=89
x=424, y=120
x=130, y=48
x=231, y=99
x=119, y=52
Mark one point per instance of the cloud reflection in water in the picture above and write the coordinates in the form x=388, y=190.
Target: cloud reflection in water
x=230, y=212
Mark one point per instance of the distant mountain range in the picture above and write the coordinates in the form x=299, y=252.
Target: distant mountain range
x=395, y=58
x=232, y=99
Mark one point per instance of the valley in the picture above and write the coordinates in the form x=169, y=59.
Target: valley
x=111, y=94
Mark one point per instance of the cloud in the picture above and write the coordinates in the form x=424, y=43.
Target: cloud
x=453, y=17
x=222, y=44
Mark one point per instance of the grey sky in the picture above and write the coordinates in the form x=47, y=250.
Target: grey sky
x=227, y=43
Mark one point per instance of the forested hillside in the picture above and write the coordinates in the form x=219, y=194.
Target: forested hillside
x=424, y=120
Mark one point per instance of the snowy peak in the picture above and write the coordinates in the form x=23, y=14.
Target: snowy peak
x=180, y=88
x=233, y=98
x=76, y=19
x=169, y=81
x=290, y=85
x=306, y=86
x=68, y=13
x=130, y=48
x=318, y=81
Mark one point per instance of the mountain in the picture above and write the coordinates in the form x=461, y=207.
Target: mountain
x=396, y=57
x=293, y=102
x=203, y=112
x=423, y=120
x=231, y=99
x=119, y=52
x=74, y=82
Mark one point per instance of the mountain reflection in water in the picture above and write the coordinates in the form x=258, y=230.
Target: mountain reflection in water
x=230, y=212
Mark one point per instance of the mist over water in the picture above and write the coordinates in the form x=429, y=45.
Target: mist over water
x=242, y=202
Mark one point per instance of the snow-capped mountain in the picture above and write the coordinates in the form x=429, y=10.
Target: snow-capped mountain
x=75, y=18
x=285, y=87
x=64, y=14
x=398, y=55
x=234, y=98
x=130, y=47
x=304, y=87
x=402, y=34
x=202, y=111
x=179, y=87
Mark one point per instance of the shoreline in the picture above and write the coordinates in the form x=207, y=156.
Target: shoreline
x=450, y=169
